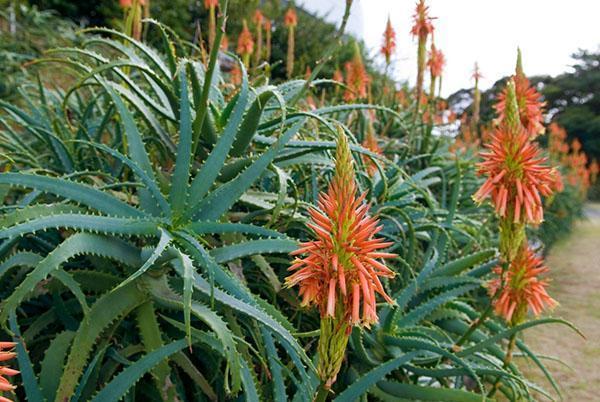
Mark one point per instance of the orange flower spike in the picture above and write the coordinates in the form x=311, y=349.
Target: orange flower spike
x=370, y=143
x=357, y=78
x=528, y=100
x=340, y=271
x=245, y=44
x=521, y=289
x=290, y=20
x=389, y=41
x=421, y=29
x=436, y=65
x=516, y=174
x=436, y=61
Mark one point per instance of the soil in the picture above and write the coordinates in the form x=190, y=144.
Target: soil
x=575, y=271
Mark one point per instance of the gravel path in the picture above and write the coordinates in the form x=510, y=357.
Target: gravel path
x=575, y=272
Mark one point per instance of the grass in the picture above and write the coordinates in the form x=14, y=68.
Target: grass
x=575, y=272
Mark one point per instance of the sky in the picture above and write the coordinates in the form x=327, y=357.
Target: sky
x=486, y=31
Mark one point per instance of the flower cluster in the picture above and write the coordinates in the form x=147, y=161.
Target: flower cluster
x=528, y=101
x=436, y=61
x=6, y=353
x=357, y=79
x=422, y=25
x=389, y=41
x=421, y=29
x=516, y=176
x=340, y=270
x=370, y=143
x=290, y=18
x=519, y=288
x=245, y=44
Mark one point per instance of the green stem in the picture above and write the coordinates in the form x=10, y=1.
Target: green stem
x=322, y=393
x=507, y=360
x=485, y=314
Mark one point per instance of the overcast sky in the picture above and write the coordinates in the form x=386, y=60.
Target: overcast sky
x=487, y=31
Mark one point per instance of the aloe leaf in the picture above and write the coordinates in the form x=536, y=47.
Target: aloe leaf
x=78, y=192
x=427, y=393
x=119, y=386
x=181, y=173
x=83, y=222
x=75, y=245
x=52, y=365
x=362, y=385
x=108, y=309
x=220, y=200
x=253, y=247
x=164, y=241
x=209, y=171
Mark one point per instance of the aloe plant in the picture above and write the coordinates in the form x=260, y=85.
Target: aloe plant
x=149, y=210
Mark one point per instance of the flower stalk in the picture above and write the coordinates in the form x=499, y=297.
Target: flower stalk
x=339, y=272
x=290, y=21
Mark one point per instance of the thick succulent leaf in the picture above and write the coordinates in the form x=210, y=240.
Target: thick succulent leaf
x=181, y=173
x=88, y=223
x=119, y=386
x=220, y=200
x=362, y=385
x=75, y=245
x=252, y=247
x=106, y=311
x=427, y=393
x=209, y=171
x=71, y=190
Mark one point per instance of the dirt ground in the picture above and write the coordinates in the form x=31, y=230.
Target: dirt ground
x=575, y=273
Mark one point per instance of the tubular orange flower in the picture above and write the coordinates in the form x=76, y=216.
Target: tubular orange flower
x=225, y=43
x=520, y=287
x=436, y=61
x=436, y=65
x=245, y=44
x=422, y=21
x=338, y=76
x=290, y=19
x=341, y=270
x=370, y=143
x=6, y=353
x=357, y=78
x=528, y=100
x=389, y=41
x=516, y=175
x=421, y=29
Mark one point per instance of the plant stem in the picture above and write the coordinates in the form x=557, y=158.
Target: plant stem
x=507, y=360
x=322, y=393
